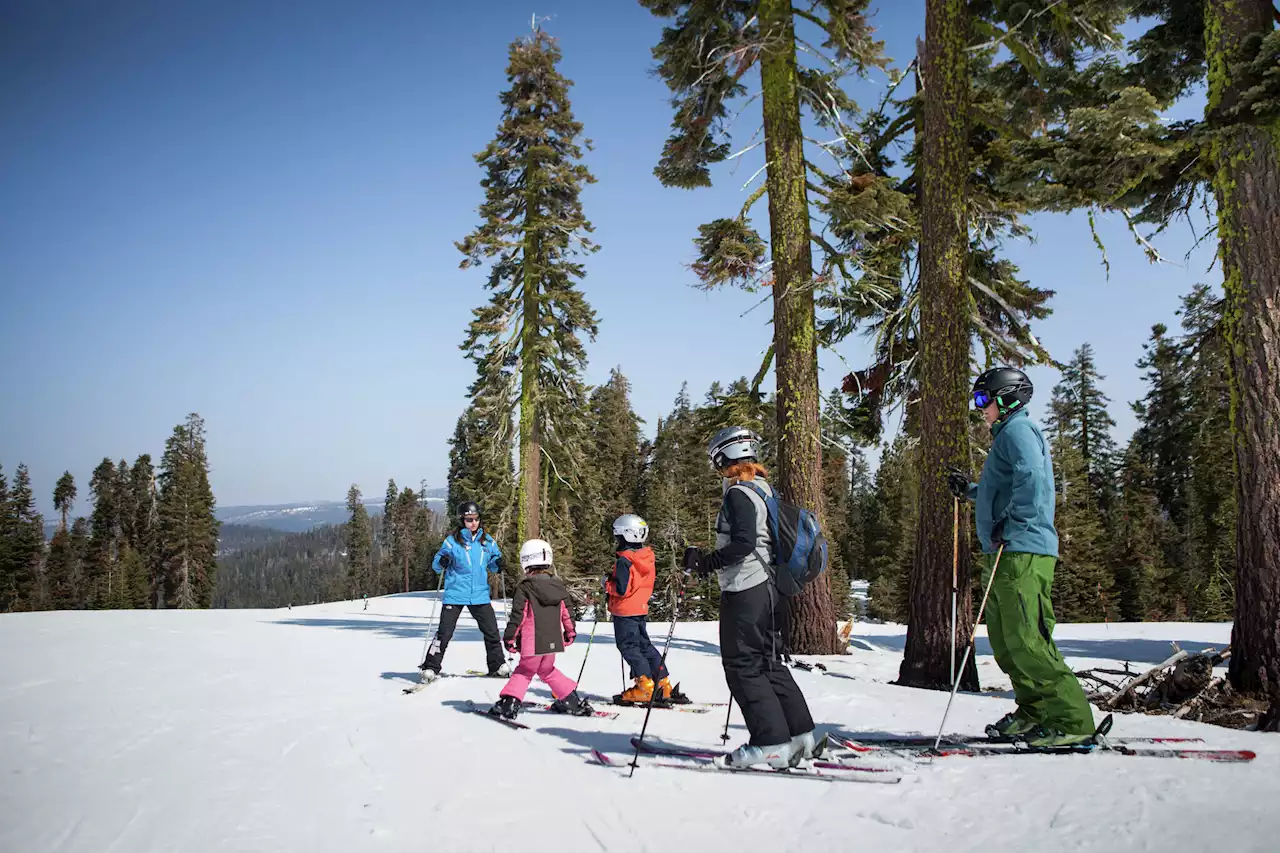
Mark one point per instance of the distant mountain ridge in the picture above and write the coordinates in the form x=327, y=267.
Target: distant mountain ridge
x=299, y=517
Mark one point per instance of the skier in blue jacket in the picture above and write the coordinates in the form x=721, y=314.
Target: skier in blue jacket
x=466, y=558
x=1014, y=503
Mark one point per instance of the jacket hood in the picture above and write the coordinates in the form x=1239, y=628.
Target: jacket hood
x=546, y=589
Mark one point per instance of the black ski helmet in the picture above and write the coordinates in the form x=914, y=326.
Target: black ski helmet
x=468, y=508
x=1007, y=386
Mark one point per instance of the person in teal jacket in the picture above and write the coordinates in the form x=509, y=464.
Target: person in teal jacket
x=466, y=558
x=1014, y=503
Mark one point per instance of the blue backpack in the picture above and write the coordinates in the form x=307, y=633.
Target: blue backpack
x=799, y=548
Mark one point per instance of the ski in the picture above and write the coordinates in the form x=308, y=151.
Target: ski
x=870, y=742
x=707, y=766
x=546, y=706
x=673, y=751
x=820, y=668
x=641, y=706
x=509, y=723
x=980, y=748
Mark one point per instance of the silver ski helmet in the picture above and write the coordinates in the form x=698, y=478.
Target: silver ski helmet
x=733, y=444
x=632, y=528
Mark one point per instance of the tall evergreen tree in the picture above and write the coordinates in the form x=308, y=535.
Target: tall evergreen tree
x=526, y=342
x=1080, y=411
x=481, y=470
x=703, y=57
x=889, y=533
x=405, y=517
x=188, y=528
x=22, y=549
x=64, y=497
x=145, y=527
x=1141, y=568
x=105, y=542
x=1082, y=585
x=359, y=545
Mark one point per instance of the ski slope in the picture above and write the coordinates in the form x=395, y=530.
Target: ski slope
x=286, y=730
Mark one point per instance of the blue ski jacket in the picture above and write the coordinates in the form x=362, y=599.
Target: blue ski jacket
x=472, y=560
x=1014, y=496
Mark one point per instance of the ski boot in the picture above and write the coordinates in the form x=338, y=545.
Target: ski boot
x=778, y=757
x=671, y=695
x=501, y=671
x=640, y=694
x=1044, y=737
x=806, y=747
x=574, y=705
x=1012, y=726
x=507, y=707
x=426, y=676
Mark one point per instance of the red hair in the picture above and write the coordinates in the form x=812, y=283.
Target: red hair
x=746, y=469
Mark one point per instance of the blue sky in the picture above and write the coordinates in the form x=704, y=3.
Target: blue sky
x=248, y=210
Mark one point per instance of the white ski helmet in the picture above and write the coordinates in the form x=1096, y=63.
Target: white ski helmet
x=733, y=444
x=632, y=528
x=534, y=554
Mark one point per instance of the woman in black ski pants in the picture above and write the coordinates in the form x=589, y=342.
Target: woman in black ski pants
x=751, y=611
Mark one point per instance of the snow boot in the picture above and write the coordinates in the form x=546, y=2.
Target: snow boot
x=640, y=694
x=574, y=705
x=1046, y=738
x=778, y=757
x=1011, y=726
x=507, y=707
x=671, y=695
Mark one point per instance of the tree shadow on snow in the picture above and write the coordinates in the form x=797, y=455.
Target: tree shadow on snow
x=1120, y=648
x=400, y=630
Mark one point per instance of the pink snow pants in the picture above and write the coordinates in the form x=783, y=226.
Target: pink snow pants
x=543, y=666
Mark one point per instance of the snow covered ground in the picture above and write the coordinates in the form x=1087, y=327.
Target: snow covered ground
x=286, y=730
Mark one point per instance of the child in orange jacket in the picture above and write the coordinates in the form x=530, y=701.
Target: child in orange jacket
x=629, y=588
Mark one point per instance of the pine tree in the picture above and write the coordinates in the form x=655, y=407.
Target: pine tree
x=889, y=532
x=144, y=531
x=481, y=470
x=22, y=532
x=64, y=497
x=188, y=528
x=61, y=565
x=359, y=545
x=105, y=542
x=1209, y=576
x=525, y=342
x=1081, y=412
x=1082, y=585
x=403, y=515
x=1139, y=531
x=703, y=57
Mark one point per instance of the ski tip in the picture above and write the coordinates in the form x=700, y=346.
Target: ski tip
x=1105, y=726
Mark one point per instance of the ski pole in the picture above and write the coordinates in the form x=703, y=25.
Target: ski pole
x=435, y=609
x=590, y=640
x=955, y=568
x=506, y=609
x=969, y=648
x=675, y=607
x=725, y=737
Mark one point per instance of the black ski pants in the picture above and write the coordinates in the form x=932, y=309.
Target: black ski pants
x=631, y=634
x=485, y=619
x=751, y=653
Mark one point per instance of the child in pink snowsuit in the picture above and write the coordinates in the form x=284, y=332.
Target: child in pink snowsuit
x=539, y=628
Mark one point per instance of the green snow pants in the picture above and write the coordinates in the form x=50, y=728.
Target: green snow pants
x=1020, y=628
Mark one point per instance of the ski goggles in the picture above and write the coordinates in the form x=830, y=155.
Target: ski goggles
x=467, y=518
x=981, y=399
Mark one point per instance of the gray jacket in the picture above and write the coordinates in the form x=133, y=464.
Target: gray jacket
x=743, y=543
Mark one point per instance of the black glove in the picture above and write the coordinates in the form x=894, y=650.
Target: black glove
x=997, y=534
x=699, y=563
x=446, y=560
x=498, y=562
x=958, y=483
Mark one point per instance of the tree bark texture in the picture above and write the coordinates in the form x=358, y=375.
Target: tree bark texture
x=944, y=353
x=795, y=335
x=529, y=509
x=1246, y=182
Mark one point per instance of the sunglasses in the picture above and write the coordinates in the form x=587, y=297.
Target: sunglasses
x=469, y=518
